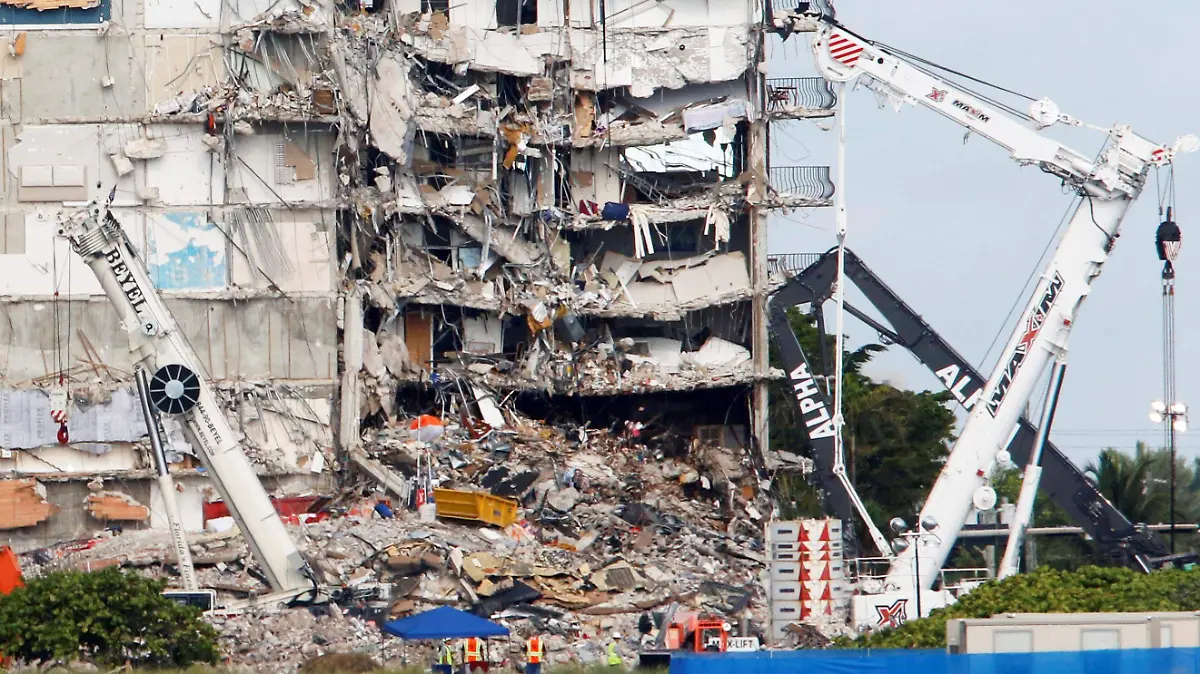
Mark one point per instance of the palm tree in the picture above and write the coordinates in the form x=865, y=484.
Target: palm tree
x=1128, y=482
x=1187, y=499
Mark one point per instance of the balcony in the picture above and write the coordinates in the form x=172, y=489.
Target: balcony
x=815, y=7
x=790, y=264
x=800, y=186
x=799, y=97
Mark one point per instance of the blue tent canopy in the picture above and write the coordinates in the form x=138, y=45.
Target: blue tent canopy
x=444, y=623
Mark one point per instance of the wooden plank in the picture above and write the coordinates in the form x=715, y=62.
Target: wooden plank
x=418, y=336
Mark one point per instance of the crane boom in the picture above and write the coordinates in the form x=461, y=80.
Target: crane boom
x=1115, y=536
x=157, y=342
x=840, y=496
x=1106, y=188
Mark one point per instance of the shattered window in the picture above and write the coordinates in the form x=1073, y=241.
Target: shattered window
x=683, y=239
x=510, y=89
x=516, y=12
x=439, y=78
x=55, y=12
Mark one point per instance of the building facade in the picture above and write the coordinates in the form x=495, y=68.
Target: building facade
x=364, y=211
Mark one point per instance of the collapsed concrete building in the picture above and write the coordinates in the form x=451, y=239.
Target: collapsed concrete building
x=376, y=209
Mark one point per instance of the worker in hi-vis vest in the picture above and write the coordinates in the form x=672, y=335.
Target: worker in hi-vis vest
x=474, y=655
x=535, y=650
x=445, y=659
x=614, y=658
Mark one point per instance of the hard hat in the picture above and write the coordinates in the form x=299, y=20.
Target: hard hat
x=616, y=635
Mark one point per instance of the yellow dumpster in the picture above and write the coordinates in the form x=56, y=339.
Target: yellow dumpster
x=478, y=506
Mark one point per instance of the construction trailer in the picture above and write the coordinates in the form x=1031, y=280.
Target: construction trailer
x=1049, y=632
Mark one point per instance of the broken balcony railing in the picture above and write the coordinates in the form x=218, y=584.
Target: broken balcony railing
x=804, y=182
x=813, y=93
x=790, y=264
x=813, y=7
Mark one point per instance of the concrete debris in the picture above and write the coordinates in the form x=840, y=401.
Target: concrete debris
x=23, y=504
x=563, y=500
x=577, y=563
x=122, y=164
x=116, y=506
x=145, y=148
x=391, y=109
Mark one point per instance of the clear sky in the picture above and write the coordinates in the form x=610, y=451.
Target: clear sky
x=956, y=229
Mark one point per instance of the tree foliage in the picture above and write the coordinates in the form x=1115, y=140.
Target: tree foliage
x=895, y=440
x=1138, y=484
x=108, y=616
x=1089, y=589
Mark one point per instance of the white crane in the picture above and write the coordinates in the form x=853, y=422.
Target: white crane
x=177, y=387
x=1106, y=187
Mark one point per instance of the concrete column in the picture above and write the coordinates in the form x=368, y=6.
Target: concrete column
x=350, y=399
x=757, y=147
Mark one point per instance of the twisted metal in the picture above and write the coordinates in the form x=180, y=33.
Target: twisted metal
x=813, y=93
x=790, y=264
x=806, y=182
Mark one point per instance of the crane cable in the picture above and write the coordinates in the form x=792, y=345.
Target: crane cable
x=1167, y=241
x=62, y=353
x=926, y=66
x=1166, y=211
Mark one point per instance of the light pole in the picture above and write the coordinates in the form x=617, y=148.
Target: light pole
x=1176, y=419
x=927, y=526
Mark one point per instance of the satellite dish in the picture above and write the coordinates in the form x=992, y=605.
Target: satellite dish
x=174, y=389
x=984, y=498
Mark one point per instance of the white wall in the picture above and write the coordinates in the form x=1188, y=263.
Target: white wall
x=77, y=145
x=301, y=238
x=480, y=14
x=175, y=14
x=56, y=458
x=188, y=173
x=181, y=63
x=483, y=332
x=190, y=502
x=266, y=180
x=49, y=263
x=551, y=13
x=605, y=181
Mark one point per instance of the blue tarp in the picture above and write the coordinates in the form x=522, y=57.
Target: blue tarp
x=1132, y=661
x=444, y=623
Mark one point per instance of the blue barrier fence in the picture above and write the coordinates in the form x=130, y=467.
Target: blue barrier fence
x=1134, y=661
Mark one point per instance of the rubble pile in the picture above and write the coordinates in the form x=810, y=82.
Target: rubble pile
x=611, y=528
x=609, y=525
